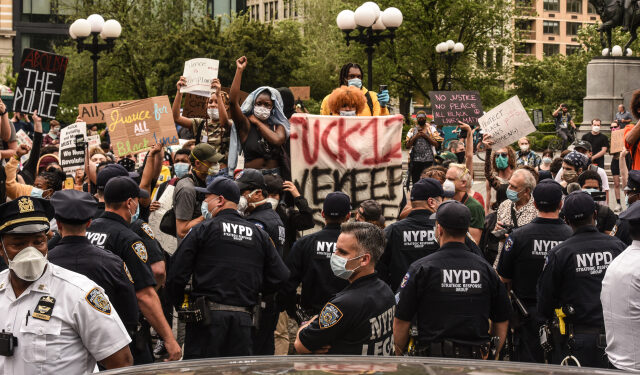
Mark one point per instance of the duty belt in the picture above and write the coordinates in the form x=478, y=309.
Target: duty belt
x=450, y=349
x=582, y=329
x=214, y=306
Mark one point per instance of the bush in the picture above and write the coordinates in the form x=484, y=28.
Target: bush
x=547, y=127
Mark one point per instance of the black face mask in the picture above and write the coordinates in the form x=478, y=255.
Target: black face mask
x=422, y=122
x=461, y=157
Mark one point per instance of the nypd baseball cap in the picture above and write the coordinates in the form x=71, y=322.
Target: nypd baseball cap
x=426, y=188
x=336, y=204
x=453, y=215
x=112, y=170
x=578, y=206
x=250, y=179
x=547, y=192
x=224, y=187
x=633, y=184
x=121, y=188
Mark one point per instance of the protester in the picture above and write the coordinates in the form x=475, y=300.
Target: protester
x=547, y=159
x=525, y=156
x=564, y=124
x=346, y=101
x=422, y=142
x=599, y=143
x=632, y=133
x=591, y=183
x=498, y=168
x=21, y=122
x=623, y=117
x=52, y=138
x=584, y=148
x=461, y=178
x=370, y=211
x=615, y=171
x=351, y=75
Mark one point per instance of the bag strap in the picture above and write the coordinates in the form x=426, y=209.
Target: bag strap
x=514, y=218
x=200, y=127
x=369, y=102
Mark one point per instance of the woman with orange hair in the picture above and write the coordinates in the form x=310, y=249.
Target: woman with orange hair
x=346, y=101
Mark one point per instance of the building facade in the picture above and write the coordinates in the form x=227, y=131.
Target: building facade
x=272, y=10
x=6, y=33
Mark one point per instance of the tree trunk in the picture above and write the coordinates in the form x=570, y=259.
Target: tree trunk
x=405, y=105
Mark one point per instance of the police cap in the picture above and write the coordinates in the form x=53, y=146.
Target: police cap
x=112, y=170
x=633, y=184
x=336, y=204
x=578, y=206
x=25, y=215
x=547, y=192
x=121, y=188
x=250, y=179
x=453, y=215
x=73, y=206
x=273, y=183
x=224, y=187
x=426, y=188
x=632, y=213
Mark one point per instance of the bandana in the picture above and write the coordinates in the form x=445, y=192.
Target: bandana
x=576, y=159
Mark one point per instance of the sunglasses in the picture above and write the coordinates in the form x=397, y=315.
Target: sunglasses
x=503, y=154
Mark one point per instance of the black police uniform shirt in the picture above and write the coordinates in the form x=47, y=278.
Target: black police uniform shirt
x=524, y=253
x=106, y=269
x=309, y=263
x=357, y=321
x=454, y=294
x=112, y=233
x=573, y=274
x=622, y=231
x=264, y=217
x=229, y=259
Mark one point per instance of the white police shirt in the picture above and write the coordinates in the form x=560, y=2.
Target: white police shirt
x=620, y=299
x=64, y=324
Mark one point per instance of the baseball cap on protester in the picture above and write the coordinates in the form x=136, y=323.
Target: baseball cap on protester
x=121, y=188
x=112, y=170
x=447, y=155
x=578, y=205
x=224, y=187
x=204, y=152
x=586, y=145
x=453, y=215
x=250, y=179
x=633, y=184
x=426, y=188
x=336, y=204
x=547, y=192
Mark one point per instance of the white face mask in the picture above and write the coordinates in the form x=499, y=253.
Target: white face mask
x=347, y=113
x=274, y=203
x=213, y=113
x=28, y=264
x=242, y=205
x=262, y=113
x=524, y=148
x=255, y=204
x=449, y=186
x=595, y=128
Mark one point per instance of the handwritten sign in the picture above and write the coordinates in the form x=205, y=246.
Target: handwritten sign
x=39, y=82
x=23, y=138
x=507, y=123
x=301, y=92
x=199, y=74
x=617, y=141
x=93, y=141
x=360, y=156
x=449, y=107
x=138, y=125
x=70, y=159
x=93, y=113
x=195, y=106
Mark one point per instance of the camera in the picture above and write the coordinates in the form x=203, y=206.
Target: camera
x=7, y=343
x=502, y=233
x=598, y=196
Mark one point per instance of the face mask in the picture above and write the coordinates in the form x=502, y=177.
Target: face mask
x=28, y=264
x=338, y=266
x=546, y=160
x=449, y=186
x=204, y=208
x=262, y=113
x=357, y=82
x=213, y=113
x=135, y=216
x=502, y=162
x=590, y=190
x=512, y=195
x=461, y=156
x=524, y=148
x=36, y=193
x=347, y=113
x=422, y=121
x=569, y=176
x=181, y=169
x=595, y=129
x=255, y=204
x=242, y=205
x=274, y=203
x=213, y=170
x=53, y=135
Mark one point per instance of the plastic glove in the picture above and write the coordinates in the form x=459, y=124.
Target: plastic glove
x=383, y=98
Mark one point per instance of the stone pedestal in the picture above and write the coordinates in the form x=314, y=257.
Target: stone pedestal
x=610, y=80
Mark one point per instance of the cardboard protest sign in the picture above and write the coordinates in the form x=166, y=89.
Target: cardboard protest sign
x=93, y=113
x=195, y=106
x=70, y=158
x=138, y=125
x=301, y=92
x=360, y=156
x=199, y=74
x=93, y=141
x=23, y=138
x=449, y=107
x=39, y=82
x=507, y=123
x=617, y=141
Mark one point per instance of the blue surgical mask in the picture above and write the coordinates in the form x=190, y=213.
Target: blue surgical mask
x=357, y=82
x=181, y=169
x=512, y=195
x=546, y=160
x=36, y=193
x=135, y=216
x=204, y=209
x=338, y=266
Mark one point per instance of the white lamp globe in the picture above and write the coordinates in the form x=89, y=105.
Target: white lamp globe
x=346, y=20
x=605, y=52
x=81, y=28
x=616, y=51
x=458, y=48
x=392, y=17
x=629, y=52
x=365, y=16
x=375, y=8
x=450, y=44
x=96, y=22
x=379, y=25
x=71, y=34
x=111, y=29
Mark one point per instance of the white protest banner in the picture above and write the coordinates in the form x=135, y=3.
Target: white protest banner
x=70, y=158
x=507, y=123
x=199, y=74
x=93, y=141
x=23, y=139
x=360, y=156
x=169, y=243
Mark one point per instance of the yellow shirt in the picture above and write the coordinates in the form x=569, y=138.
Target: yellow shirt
x=377, y=110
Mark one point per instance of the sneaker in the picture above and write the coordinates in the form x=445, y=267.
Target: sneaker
x=617, y=209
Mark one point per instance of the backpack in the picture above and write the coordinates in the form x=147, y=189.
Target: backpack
x=168, y=221
x=488, y=242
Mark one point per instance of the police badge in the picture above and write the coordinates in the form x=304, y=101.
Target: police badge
x=147, y=229
x=140, y=250
x=44, y=309
x=98, y=301
x=329, y=316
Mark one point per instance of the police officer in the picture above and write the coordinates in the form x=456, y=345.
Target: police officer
x=73, y=212
x=455, y=294
x=54, y=321
x=621, y=229
x=309, y=262
x=111, y=232
x=571, y=281
x=358, y=320
x=521, y=264
x=230, y=261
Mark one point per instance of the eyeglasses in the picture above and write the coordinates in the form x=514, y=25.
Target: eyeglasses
x=503, y=154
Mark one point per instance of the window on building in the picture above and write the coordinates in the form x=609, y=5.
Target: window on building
x=574, y=6
x=551, y=27
x=290, y=9
x=573, y=28
x=480, y=58
x=551, y=5
x=49, y=11
x=489, y=58
x=591, y=9
x=550, y=49
x=571, y=49
x=524, y=48
x=499, y=57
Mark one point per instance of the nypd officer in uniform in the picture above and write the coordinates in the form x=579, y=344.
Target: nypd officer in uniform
x=621, y=229
x=572, y=280
x=358, y=320
x=53, y=321
x=230, y=261
x=454, y=293
x=521, y=264
x=309, y=262
x=111, y=232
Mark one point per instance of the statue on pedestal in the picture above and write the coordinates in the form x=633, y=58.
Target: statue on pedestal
x=614, y=13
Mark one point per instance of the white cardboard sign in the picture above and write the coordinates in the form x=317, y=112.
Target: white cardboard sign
x=507, y=123
x=199, y=74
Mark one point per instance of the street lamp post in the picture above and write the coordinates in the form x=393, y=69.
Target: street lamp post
x=370, y=23
x=450, y=51
x=95, y=26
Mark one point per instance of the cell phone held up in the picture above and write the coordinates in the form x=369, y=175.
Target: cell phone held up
x=383, y=87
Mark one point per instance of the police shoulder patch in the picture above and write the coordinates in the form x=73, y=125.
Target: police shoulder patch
x=404, y=280
x=614, y=230
x=126, y=271
x=147, y=229
x=259, y=225
x=508, y=244
x=329, y=316
x=140, y=250
x=98, y=301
